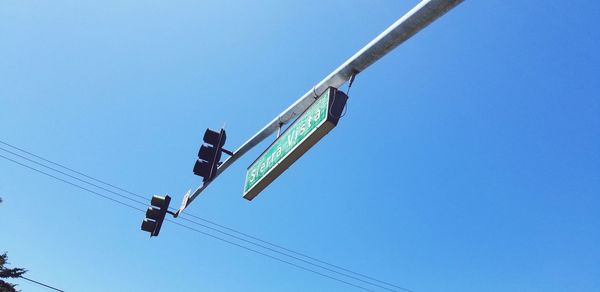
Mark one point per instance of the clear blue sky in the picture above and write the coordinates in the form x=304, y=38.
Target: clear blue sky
x=469, y=159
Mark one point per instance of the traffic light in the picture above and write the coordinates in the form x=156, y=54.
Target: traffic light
x=209, y=154
x=155, y=215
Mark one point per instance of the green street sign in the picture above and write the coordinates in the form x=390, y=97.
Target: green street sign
x=314, y=123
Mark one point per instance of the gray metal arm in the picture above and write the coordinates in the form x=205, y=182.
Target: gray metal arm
x=408, y=25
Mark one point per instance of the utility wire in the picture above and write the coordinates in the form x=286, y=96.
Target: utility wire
x=197, y=217
x=211, y=228
x=291, y=256
x=297, y=253
x=73, y=177
x=270, y=256
x=40, y=283
x=191, y=228
x=203, y=225
x=70, y=183
x=72, y=170
x=187, y=214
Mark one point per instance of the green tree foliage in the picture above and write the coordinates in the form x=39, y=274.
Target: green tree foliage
x=8, y=273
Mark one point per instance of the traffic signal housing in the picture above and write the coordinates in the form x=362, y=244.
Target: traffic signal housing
x=209, y=154
x=155, y=215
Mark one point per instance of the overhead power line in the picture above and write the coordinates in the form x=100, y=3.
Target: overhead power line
x=70, y=183
x=73, y=177
x=41, y=284
x=70, y=169
x=203, y=219
x=188, y=227
x=298, y=253
x=270, y=256
x=283, y=251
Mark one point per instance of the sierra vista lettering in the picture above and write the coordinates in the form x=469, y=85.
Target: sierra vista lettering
x=297, y=132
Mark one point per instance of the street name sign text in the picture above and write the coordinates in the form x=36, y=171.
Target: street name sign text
x=312, y=125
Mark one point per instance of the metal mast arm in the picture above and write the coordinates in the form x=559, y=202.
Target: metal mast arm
x=408, y=25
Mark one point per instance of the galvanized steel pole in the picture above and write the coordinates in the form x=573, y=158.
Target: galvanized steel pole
x=408, y=25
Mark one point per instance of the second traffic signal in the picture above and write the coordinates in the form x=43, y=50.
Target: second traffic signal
x=155, y=215
x=209, y=154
